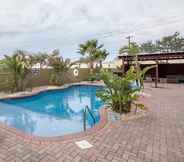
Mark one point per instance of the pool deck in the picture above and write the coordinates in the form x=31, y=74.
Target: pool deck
x=157, y=137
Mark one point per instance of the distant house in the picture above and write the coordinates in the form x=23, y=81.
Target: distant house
x=107, y=64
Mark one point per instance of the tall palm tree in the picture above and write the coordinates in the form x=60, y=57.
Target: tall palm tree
x=89, y=49
x=101, y=56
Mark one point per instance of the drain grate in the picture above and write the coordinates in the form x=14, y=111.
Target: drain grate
x=83, y=144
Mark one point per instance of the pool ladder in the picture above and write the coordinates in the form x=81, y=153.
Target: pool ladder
x=87, y=109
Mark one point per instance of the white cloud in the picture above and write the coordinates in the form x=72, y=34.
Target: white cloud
x=46, y=24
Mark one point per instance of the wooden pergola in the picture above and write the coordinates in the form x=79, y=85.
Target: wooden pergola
x=156, y=57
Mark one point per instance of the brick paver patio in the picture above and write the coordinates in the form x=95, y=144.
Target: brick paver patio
x=157, y=137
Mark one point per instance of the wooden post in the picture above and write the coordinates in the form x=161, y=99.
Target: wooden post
x=137, y=71
x=123, y=66
x=156, y=77
x=128, y=64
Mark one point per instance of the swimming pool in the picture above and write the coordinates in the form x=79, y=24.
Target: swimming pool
x=52, y=113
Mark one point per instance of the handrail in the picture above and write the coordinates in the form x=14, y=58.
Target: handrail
x=90, y=112
x=84, y=116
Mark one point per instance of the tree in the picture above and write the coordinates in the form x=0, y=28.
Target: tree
x=40, y=58
x=19, y=65
x=90, y=50
x=133, y=49
x=171, y=43
x=123, y=50
x=148, y=47
x=59, y=67
x=101, y=56
x=2, y=65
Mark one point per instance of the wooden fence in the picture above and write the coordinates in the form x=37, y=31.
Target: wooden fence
x=42, y=78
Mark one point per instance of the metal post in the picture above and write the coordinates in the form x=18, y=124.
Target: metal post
x=136, y=106
x=84, y=119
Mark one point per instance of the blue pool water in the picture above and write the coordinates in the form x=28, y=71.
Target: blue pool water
x=52, y=113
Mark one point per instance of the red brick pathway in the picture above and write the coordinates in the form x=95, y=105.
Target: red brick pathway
x=157, y=137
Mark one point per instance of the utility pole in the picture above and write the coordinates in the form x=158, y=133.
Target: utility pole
x=129, y=40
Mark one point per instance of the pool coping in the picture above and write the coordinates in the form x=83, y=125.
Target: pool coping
x=46, y=140
x=42, y=89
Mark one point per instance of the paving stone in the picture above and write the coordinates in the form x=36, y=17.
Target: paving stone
x=157, y=137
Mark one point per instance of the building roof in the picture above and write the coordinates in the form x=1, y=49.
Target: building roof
x=154, y=56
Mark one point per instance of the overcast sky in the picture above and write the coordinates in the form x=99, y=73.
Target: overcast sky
x=43, y=25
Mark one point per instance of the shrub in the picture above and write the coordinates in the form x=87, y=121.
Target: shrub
x=94, y=77
x=119, y=93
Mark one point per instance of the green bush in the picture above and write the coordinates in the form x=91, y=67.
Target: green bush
x=118, y=93
x=94, y=77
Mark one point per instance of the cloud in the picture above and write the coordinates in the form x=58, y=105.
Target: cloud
x=37, y=25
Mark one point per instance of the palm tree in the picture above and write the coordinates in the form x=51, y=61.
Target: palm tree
x=133, y=49
x=19, y=65
x=2, y=65
x=89, y=49
x=41, y=58
x=59, y=66
x=101, y=56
